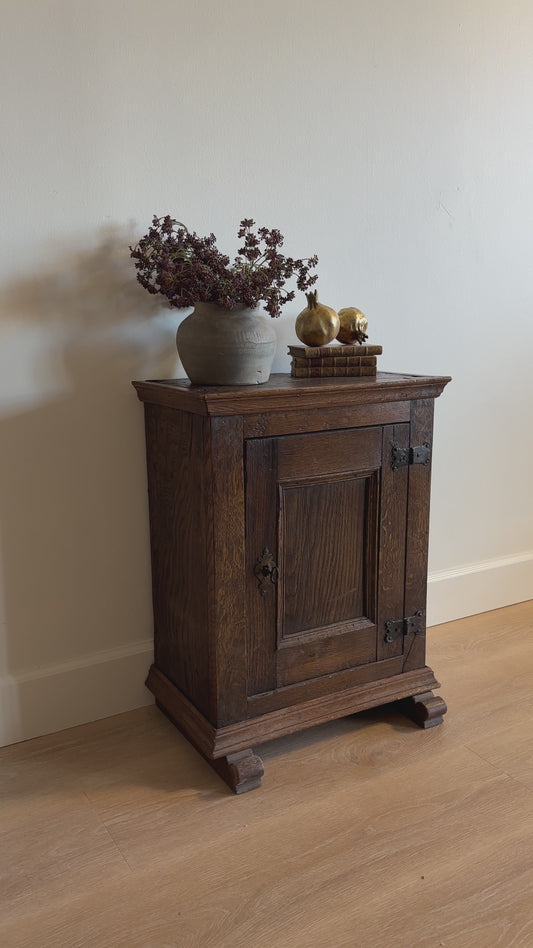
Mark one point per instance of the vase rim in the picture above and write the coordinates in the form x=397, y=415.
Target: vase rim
x=223, y=310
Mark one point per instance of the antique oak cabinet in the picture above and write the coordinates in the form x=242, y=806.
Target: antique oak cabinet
x=289, y=533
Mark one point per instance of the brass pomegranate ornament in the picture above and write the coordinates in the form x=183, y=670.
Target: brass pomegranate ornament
x=317, y=324
x=353, y=326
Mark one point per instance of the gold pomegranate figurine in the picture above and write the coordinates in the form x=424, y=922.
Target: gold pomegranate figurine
x=317, y=324
x=353, y=326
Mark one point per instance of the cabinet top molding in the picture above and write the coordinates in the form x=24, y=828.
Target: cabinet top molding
x=283, y=393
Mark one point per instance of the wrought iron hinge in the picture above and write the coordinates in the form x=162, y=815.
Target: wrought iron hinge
x=401, y=457
x=395, y=628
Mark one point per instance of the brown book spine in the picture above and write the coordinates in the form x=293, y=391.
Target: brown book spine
x=315, y=352
x=329, y=371
x=336, y=361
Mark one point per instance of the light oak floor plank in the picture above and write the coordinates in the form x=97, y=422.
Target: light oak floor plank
x=367, y=832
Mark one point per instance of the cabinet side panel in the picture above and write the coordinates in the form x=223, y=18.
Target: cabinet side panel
x=416, y=566
x=225, y=590
x=178, y=532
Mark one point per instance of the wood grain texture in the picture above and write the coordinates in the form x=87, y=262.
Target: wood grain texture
x=322, y=566
x=426, y=710
x=218, y=742
x=177, y=487
x=392, y=533
x=269, y=424
x=283, y=393
x=225, y=588
x=295, y=556
x=261, y=535
x=329, y=452
x=367, y=831
x=326, y=651
x=242, y=771
x=288, y=720
x=416, y=554
x=327, y=547
x=291, y=695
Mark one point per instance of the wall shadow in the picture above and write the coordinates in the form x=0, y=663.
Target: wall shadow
x=73, y=516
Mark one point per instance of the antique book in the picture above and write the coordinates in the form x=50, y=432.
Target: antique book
x=338, y=361
x=329, y=352
x=330, y=371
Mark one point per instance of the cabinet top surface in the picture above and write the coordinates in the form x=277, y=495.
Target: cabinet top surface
x=283, y=393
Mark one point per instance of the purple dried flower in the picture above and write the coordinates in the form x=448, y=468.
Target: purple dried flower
x=186, y=268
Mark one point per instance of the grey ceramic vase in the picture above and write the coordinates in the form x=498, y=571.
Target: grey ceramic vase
x=226, y=347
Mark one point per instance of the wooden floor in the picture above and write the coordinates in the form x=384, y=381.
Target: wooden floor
x=367, y=833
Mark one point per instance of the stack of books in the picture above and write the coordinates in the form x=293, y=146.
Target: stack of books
x=314, y=362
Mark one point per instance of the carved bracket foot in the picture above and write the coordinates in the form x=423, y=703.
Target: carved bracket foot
x=242, y=771
x=426, y=710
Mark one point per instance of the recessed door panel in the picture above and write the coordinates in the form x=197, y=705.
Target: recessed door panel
x=323, y=555
x=312, y=509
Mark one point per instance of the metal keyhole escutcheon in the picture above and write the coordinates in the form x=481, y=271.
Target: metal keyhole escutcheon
x=266, y=571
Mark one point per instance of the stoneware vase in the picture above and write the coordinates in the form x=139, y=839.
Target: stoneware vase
x=226, y=347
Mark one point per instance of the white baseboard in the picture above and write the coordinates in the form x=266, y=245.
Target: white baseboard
x=95, y=686
x=479, y=587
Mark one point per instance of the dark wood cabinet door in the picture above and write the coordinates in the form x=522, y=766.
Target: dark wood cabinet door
x=328, y=514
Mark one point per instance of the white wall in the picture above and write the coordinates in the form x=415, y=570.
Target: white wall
x=393, y=139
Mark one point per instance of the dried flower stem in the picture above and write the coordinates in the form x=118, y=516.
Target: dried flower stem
x=186, y=268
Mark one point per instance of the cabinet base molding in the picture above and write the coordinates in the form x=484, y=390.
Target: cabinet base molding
x=228, y=749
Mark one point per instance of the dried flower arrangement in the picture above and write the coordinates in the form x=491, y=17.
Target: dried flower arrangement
x=188, y=269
